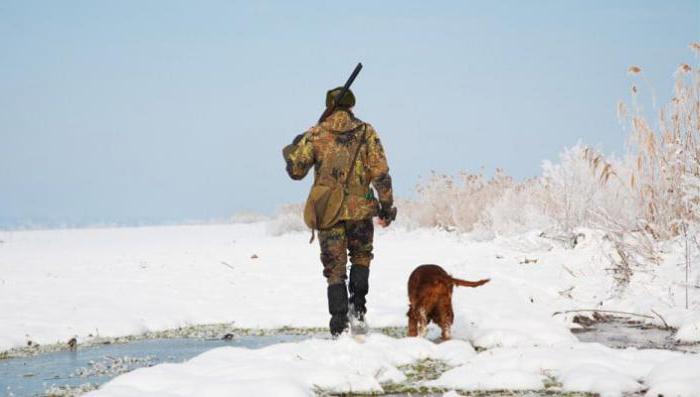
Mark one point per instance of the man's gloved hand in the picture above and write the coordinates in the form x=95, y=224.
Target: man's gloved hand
x=387, y=214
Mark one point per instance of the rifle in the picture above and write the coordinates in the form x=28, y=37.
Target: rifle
x=329, y=110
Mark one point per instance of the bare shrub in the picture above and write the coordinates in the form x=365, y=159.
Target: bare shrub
x=561, y=199
x=643, y=197
x=458, y=203
x=521, y=207
x=413, y=214
x=581, y=183
x=289, y=219
x=247, y=217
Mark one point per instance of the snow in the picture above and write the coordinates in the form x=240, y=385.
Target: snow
x=337, y=366
x=346, y=366
x=585, y=367
x=478, y=379
x=689, y=331
x=56, y=284
x=678, y=377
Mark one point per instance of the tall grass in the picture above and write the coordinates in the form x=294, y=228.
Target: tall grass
x=653, y=189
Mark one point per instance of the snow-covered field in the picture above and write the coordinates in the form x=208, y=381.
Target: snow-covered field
x=57, y=284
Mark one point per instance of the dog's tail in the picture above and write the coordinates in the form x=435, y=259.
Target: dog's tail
x=473, y=284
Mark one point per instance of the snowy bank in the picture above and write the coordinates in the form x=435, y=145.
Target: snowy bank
x=580, y=367
x=289, y=369
x=346, y=366
x=57, y=284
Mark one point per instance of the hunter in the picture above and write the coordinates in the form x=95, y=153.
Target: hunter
x=346, y=153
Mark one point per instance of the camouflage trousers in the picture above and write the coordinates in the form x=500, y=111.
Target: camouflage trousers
x=353, y=236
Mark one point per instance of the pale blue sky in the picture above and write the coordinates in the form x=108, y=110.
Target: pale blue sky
x=152, y=111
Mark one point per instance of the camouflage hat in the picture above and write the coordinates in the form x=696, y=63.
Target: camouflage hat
x=348, y=100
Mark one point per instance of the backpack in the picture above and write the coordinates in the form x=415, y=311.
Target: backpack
x=325, y=199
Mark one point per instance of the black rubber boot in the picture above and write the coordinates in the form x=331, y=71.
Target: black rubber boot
x=338, y=308
x=359, y=286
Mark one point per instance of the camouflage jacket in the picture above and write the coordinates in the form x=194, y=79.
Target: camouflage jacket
x=332, y=143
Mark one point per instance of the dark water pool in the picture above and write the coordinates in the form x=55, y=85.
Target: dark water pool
x=70, y=372
x=621, y=333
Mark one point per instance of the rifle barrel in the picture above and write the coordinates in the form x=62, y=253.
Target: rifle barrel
x=328, y=111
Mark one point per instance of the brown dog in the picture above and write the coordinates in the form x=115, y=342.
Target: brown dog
x=430, y=297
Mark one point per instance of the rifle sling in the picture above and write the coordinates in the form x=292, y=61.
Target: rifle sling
x=354, y=158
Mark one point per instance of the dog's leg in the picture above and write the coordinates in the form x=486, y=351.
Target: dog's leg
x=446, y=331
x=446, y=319
x=412, y=322
x=422, y=322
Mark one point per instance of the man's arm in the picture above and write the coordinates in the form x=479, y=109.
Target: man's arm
x=380, y=178
x=299, y=156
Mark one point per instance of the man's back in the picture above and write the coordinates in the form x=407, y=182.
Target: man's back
x=329, y=146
